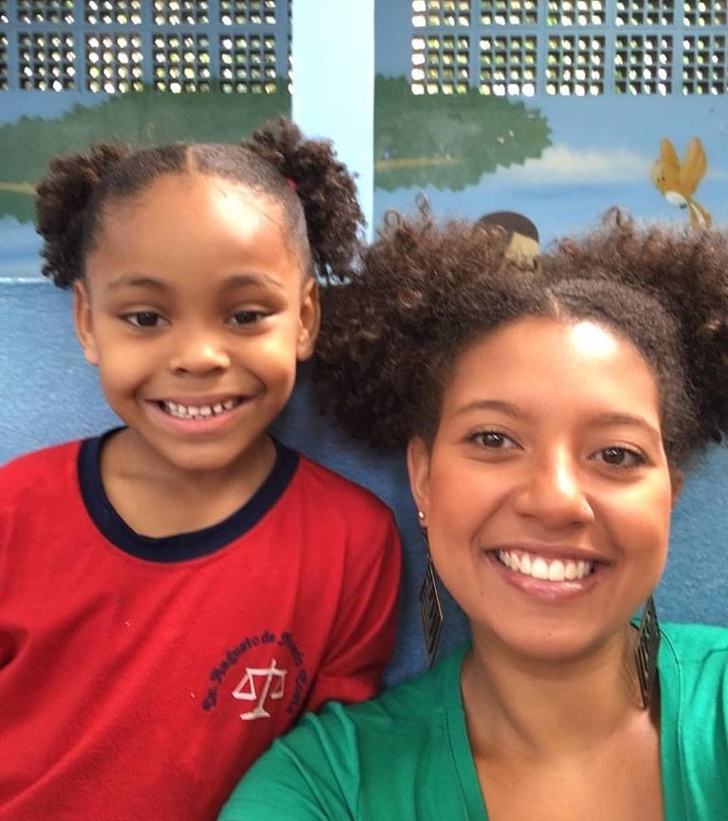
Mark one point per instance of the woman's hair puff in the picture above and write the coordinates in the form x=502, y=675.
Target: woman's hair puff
x=428, y=289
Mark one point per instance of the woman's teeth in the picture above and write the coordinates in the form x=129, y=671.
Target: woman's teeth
x=553, y=570
x=199, y=411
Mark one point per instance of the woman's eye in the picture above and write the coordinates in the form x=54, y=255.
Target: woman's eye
x=620, y=457
x=144, y=319
x=493, y=440
x=247, y=317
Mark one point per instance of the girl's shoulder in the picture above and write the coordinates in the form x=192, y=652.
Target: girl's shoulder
x=37, y=483
x=349, y=494
x=26, y=469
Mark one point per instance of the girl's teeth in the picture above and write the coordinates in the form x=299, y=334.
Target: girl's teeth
x=555, y=570
x=198, y=412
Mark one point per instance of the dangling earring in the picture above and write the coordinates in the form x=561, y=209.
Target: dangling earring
x=645, y=654
x=430, y=606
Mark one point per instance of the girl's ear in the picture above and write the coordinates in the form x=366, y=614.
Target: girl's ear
x=83, y=322
x=677, y=480
x=309, y=319
x=418, y=467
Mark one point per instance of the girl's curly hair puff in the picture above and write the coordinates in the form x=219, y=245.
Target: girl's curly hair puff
x=315, y=190
x=61, y=201
x=326, y=189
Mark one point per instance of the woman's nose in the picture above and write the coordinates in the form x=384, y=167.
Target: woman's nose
x=553, y=492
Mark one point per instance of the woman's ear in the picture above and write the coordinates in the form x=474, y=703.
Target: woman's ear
x=418, y=467
x=309, y=319
x=83, y=322
x=677, y=480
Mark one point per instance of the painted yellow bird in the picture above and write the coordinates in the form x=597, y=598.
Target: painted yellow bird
x=678, y=181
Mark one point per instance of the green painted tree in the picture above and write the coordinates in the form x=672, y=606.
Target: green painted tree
x=141, y=118
x=450, y=140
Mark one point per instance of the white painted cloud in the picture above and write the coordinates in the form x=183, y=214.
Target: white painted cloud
x=560, y=164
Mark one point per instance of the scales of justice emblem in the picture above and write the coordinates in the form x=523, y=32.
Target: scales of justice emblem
x=273, y=686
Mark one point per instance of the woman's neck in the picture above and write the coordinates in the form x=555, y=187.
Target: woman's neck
x=537, y=708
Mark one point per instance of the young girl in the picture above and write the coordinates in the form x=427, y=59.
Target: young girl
x=548, y=416
x=178, y=590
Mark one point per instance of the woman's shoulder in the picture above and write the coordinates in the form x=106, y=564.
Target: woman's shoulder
x=364, y=760
x=405, y=717
x=693, y=669
x=693, y=679
x=692, y=644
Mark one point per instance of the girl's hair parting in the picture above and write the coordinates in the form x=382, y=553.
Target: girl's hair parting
x=323, y=220
x=427, y=290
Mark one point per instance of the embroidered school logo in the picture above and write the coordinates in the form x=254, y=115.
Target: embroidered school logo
x=265, y=680
x=247, y=691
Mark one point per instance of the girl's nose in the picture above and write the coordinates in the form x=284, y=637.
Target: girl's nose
x=553, y=492
x=198, y=352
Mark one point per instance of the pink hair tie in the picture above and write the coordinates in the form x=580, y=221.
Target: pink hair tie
x=291, y=183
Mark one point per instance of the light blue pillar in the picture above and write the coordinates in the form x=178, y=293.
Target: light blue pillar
x=333, y=82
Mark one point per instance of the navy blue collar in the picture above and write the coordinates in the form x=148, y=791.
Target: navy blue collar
x=183, y=545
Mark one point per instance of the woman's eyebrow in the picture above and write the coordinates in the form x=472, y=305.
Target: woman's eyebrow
x=628, y=419
x=507, y=408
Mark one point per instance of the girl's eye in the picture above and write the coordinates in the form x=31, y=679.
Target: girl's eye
x=620, y=457
x=248, y=317
x=493, y=440
x=144, y=319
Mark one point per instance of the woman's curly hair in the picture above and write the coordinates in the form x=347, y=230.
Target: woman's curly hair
x=428, y=289
x=316, y=191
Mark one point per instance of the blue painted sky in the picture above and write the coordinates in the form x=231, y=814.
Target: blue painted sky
x=602, y=153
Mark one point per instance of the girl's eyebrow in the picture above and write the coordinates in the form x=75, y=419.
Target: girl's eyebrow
x=136, y=281
x=244, y=280
x=234, y=281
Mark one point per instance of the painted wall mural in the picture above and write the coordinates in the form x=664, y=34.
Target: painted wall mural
x=579, y=158
x=449, y=141
x=141, y=118
x=604, y=85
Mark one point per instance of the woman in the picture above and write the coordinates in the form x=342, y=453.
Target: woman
x=548, y=417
